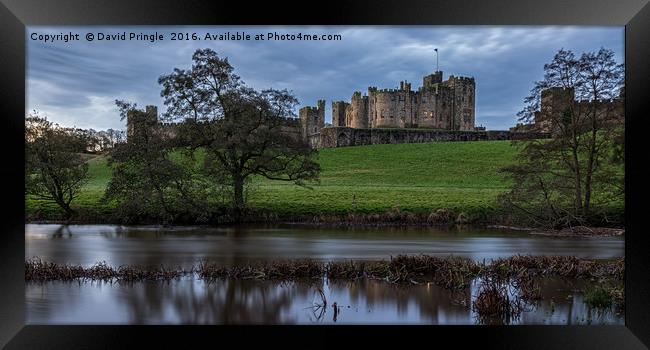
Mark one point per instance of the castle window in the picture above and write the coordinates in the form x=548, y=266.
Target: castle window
x=392, y=117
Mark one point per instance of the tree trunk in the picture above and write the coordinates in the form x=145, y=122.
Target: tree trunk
x=578, y=182
x=69, y=213
x=590, y=167
x=238, y=200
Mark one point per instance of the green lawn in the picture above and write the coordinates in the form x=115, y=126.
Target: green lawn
x=416, y=177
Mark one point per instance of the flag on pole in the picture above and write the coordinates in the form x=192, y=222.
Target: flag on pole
x=436, y=50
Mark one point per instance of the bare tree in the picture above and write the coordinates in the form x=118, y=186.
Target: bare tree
x=584, y=154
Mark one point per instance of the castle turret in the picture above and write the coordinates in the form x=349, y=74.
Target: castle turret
x=312, y=119
x=357, y=113
x=138, y=121
x=429, y=81
x=555, y=102
x=385, y=108
x=338, y=113
x=463, y=103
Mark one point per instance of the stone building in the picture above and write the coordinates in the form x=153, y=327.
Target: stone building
x=437, y=104
x=557, y=101
x=312, y=119
x=137, y=120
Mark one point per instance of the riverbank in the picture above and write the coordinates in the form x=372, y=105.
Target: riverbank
x=580, y=231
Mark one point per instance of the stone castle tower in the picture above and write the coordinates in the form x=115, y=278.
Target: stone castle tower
x=312, y=119
x=554, y=102
x=437, y=104
x=141, y=120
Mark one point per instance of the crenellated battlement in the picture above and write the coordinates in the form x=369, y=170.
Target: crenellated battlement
x=557, y=101
x=437, y=104
x=309, y=109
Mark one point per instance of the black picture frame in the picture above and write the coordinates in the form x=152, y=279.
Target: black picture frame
x=15, y=15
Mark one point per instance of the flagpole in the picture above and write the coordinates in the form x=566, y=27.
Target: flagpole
x=437, y=68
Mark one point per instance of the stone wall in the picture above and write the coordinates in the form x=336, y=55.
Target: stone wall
x=345, y=136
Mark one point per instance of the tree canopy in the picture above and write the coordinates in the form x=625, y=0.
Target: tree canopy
x=54, y=167
x=244, y=132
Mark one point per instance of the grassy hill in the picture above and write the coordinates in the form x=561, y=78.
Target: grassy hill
x=416, y=177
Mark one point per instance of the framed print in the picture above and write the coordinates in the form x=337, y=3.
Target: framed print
x=468, y=172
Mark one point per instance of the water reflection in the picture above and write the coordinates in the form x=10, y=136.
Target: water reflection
x=191, y=301
x=185, y=246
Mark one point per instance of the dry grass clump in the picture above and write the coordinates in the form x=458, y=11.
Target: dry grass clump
x=290, y=269
x=392, y=217
x=131, y=273
x=494, y=303
x=355, y=269
x=440, y=216
x=38, y=270
x=563, y=266
x=450, y=272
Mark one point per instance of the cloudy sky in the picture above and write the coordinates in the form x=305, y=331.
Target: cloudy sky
x=76, y=83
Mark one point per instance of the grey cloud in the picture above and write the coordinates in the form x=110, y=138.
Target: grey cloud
x=75, y=83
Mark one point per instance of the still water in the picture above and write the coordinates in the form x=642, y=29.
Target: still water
x=186, y=246
x=190, y=300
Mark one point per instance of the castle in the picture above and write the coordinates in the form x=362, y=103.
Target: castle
x=437, y=104
x=437, y=111
x=147, y=119
x=556, y=101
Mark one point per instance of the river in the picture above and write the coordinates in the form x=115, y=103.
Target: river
x=191, y=300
